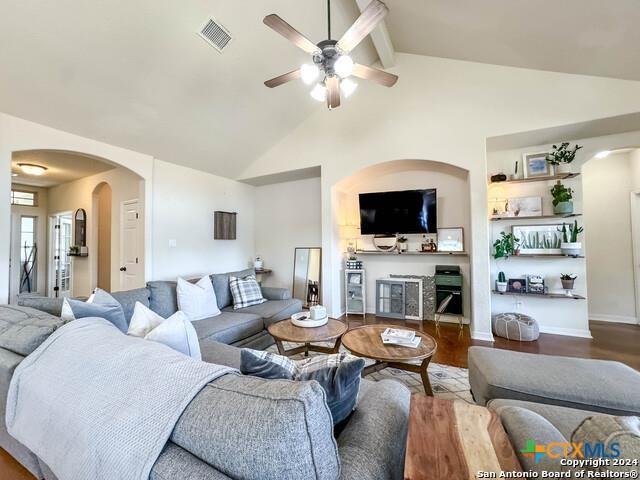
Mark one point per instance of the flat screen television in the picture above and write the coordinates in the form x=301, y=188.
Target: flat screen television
x=389, y=213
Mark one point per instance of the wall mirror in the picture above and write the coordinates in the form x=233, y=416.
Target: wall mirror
x=80, y=219
x=307, y=265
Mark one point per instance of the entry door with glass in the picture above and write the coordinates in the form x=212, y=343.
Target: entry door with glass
x=61, y=261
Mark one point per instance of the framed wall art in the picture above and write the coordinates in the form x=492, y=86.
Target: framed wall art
x=538, y=239
x=536, y=165
x=451, y=239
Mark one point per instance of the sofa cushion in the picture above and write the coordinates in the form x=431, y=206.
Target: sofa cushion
x=245, y=292
x=338, y=374
x=220, y=353
x=101, y=304
x=220, y=283
x=229, y=327
x=23, y=329
x=565, y=419
x=257, y=429
x=273, y=310
x=597, y=385
x=129, y=298
x=197, y=300
x=163, y=298
x=524, y=426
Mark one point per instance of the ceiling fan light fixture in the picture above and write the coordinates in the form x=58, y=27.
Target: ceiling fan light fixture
x=348, y=86
x=31, y=169
x=319, y=93
x=309, y=73
x=344, y=66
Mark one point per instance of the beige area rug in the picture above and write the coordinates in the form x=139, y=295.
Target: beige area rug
x=447, y=382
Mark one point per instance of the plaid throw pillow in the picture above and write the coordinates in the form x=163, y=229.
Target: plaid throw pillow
x=245, y=292
x=338, y=374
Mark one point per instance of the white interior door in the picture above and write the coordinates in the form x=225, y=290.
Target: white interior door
x=60, y=261
x=130, y=267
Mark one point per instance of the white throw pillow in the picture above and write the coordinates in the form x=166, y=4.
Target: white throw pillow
x=198, y=300
x=175, y=332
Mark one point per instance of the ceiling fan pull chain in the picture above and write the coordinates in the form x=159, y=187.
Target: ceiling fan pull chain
x=329, y=18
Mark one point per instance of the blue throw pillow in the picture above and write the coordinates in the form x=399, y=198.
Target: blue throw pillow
x=102, y=305
x=338, y=374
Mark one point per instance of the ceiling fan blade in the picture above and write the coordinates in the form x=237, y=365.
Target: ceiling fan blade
x=287, y=31
x=366, y=22
x=379, y=76
x=333, y=92
x=282, y=79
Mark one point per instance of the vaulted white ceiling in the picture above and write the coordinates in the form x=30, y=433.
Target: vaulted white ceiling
x=135, y=73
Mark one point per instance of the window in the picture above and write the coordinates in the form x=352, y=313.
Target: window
x=21, y=197
x=28, y=254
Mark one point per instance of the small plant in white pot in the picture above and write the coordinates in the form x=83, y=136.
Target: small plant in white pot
x=403, y=245
x=501, y=283
x=562, y=199
x=570, y=244
x=568, y=281
x=562, y=156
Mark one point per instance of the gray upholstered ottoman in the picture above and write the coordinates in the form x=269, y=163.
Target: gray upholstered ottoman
x=515, y=326
x=585, y=384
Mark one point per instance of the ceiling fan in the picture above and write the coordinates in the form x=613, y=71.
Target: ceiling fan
x=331, y=63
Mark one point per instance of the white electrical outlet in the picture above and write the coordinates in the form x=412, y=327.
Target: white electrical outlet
x=173, y=243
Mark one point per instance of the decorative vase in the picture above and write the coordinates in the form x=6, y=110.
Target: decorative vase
x=573, y=249
x=563, y=208
x=501, y=287
x=403, y=246
x=563, y=169
x=258, y=264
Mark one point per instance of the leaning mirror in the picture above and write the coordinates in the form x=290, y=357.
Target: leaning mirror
x=80, y=228
x=306, y=275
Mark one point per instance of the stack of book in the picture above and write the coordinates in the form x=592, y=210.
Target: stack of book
x=403, y=338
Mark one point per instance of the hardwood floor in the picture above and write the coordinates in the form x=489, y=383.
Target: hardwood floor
x=611, y=341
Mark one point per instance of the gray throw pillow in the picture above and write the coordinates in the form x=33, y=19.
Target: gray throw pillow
x=103, y=305
x=338, y=374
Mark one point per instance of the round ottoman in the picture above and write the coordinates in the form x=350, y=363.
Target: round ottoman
x=515, y=326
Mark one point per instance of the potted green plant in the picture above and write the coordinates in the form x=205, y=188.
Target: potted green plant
x=501, y=283
x=562, y=199
x=562, y=156
x=570, y=244
x=568, y=281
x=506, y=246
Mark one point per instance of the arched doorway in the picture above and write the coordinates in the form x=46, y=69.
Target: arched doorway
x=103, y=195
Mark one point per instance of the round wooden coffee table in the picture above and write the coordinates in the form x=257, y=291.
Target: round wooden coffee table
x=288, y=332
x=366, y=342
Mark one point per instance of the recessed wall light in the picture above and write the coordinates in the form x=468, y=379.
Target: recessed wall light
x=603, y=154
x=32, y=169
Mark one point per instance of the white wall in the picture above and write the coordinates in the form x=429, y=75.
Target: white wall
x=68, y=197
x=442, y=110
x=41, y=240
x=453, y=211
x=183, y=204
x=287, y=215
x=607, y=184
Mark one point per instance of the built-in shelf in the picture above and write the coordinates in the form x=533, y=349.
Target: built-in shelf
x=547, y=256
x=542, y=295
x=78, y=254
x=395, y=252
x=563, y=215
x=560, y=176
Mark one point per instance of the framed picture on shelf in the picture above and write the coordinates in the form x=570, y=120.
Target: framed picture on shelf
x=535, y=284
x=536, y=165
x=538, y=239
x=525, y=207
x=451, y=239
x=517, y=285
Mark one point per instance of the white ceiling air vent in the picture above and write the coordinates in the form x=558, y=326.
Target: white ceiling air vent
x=215, y=34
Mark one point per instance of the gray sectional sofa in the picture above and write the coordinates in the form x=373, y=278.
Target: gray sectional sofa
x=238, y=426
x=545, y=397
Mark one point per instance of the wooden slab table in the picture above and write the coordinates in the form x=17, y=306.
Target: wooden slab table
x=454, y=440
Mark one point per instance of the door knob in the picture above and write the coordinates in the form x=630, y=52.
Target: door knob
x=123, y=269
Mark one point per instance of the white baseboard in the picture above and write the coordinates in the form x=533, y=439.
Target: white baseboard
x=613, y=318
x=484, y=336
x=570, y=332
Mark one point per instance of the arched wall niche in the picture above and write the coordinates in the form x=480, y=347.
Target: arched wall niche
x=453, y=193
